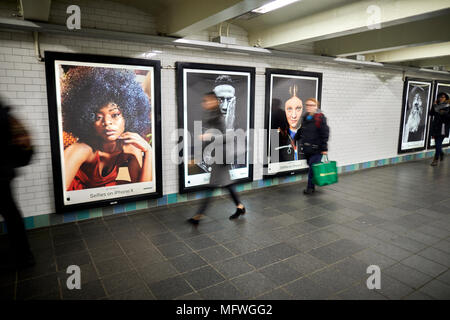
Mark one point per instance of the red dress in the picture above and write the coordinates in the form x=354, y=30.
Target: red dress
x=89, y=176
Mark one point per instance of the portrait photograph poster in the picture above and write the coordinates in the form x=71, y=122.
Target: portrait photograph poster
x=105, y=125
x=234, y=87
x=414, y=118
x=439, y=86
x=286, y=95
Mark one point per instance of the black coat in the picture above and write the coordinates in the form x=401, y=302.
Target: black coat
x=7, y=171
x=313, y=134
x=438, y=119
x=220, y=172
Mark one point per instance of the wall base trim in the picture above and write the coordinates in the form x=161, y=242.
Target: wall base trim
x=52, y=219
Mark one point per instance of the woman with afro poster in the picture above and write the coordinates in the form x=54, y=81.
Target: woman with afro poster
x=105, y=119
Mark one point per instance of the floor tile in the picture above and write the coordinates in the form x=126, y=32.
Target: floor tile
x=171, y=288
x=203, y=277
x=188, y=262
x=253, y=284
x=221, y=291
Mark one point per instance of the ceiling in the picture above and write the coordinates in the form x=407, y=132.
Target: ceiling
x=409, y=32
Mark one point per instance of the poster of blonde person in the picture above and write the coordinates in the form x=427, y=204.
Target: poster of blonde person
x=286, y=93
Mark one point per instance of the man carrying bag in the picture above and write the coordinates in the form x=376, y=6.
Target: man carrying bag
x=313, y=135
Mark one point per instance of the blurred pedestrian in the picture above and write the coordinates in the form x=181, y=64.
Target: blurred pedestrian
x=220, y=170
x=440, y=124
x=313, y=135
x=17, y=151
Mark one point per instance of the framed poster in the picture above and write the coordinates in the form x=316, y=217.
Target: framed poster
x=439, y=86
x=286, y=94
x=105, y=128
x=414, y=118
x=235, y=88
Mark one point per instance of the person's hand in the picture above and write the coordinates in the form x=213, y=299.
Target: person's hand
x=442, y=111
x=324, y=153
x=133, y=142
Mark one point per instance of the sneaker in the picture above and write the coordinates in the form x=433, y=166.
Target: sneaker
x=434, y=163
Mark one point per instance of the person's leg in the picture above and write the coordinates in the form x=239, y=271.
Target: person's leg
x=438, y=145
x=240, y=209
x=310, y=176
x=15, y=226
x=315, y=158
x=439, y=151
x=234, y=195
x=201, y=210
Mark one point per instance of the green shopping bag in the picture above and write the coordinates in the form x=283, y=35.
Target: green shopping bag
x=325, y=172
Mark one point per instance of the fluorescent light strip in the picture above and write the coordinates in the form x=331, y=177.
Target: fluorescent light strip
x=369, y=63
x=435, y=71
x=274, y=5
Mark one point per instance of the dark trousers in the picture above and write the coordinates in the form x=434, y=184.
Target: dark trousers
x=312, y=159
x=207, y=200
x=438, y=140
x=13, y=219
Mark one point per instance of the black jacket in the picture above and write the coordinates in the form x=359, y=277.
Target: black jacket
x=7, y=171
x=313, y=134
x=220, y=172
x=438, y=119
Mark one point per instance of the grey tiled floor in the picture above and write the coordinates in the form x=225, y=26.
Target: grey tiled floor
x=288, y=246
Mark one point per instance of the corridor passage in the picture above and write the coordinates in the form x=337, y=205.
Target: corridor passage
x=287, y=245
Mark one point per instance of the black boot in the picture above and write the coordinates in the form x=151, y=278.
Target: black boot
x=195, y=220
x=308, y=191
x=239, y=211
x=435, y=161
x=441, y=156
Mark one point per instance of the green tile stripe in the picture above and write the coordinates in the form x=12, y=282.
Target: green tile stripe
x=54, y=219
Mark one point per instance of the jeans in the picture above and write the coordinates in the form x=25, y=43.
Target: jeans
x=312, y=159
x=438, y=140
x=13, y=219
x=205, y=203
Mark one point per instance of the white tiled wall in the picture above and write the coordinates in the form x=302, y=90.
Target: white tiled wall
x=363, y=106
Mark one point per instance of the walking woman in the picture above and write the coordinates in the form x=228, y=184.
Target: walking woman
x=220, y=176
x=313, y=135
x=440, y=124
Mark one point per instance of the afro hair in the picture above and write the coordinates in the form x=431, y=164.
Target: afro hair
x=87, y=89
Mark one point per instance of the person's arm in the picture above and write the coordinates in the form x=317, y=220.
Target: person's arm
x=324, y=133
x=432, y=112
x=139, y=165
x=74, y=156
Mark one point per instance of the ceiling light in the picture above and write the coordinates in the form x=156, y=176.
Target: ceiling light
x=151, y=54
x=435, y=71
x=368, y=63
x=274, y=5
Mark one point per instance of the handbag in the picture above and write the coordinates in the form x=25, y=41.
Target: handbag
x=325, y=172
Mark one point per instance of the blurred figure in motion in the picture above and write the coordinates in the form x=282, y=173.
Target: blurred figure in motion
x=220, y=175
x=440, y=124
x=16, y=144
